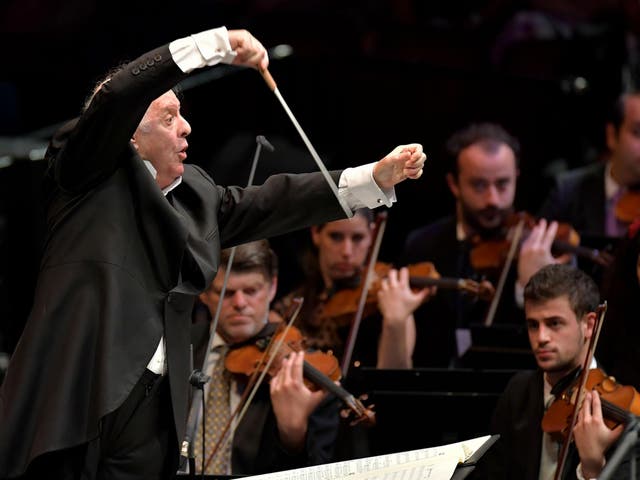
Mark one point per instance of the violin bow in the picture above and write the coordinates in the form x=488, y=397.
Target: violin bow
x=325, y=173
x=515, y=241
x=584, y=374
x=187, y=444
x=381, y=221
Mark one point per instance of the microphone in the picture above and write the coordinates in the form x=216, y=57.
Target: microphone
x=265, y=143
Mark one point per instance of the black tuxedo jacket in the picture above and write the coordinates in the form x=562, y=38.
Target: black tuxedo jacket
x=121, y=266
x=256, y=446
x=517, y=418
x=578, y=198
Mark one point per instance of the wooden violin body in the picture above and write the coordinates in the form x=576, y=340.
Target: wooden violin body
x=489, y=254
x=321, y=370
x=618, y=403
x=343, y=304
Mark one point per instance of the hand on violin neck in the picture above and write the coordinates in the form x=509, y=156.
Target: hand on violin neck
x=404, y=161
x=396, y=300
x=535, y=251
x=593, y=438
x=293, y=402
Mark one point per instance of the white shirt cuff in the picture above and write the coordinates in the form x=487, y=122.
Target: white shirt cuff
x=358, y=189
x=580, y=475
x=202, y=49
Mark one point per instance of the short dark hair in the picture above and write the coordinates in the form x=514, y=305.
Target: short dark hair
x=553, y=281
x=617, y=110
x=489, y=135
x=254, y=256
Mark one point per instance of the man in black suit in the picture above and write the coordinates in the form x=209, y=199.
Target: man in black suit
x=586, y=197
x=98, y=383
x=483, y=169
x=560, y=305
x=286, y=425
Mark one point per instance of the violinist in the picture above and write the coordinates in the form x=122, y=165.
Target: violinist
x=588, y=197
x=286, y=425
x=482, y=175
x=336, y=262
x=560, y=305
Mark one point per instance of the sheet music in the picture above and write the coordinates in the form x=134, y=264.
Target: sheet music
x=436, y=463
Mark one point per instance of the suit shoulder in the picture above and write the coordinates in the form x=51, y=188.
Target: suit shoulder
x=581, y=174
x=443, y=229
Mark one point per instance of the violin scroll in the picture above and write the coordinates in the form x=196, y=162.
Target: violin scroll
x=364, y=415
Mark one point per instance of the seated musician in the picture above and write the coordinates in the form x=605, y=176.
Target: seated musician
x=560, y=304
x=286, y=425
x=384, y=340
x=483, y=169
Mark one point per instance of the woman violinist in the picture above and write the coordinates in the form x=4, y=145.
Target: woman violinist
x=287, y=425
x=337, y=263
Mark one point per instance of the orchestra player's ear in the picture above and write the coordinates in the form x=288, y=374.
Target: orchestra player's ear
x=273, y=288
x=453, y=185
x=315, y=235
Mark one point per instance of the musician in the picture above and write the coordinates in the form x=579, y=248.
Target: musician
x=286, y=425
x=560, y=305
x=586, y=197
x=483, y=170
x=385, y=339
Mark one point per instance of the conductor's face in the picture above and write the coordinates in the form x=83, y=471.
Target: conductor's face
x=161, y=138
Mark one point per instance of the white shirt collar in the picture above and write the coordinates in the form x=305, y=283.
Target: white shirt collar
x=154, y=174
x=611, y=187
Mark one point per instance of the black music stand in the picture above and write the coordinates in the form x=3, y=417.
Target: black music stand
x=464, y=469
x=422, y=408
x=498, y=347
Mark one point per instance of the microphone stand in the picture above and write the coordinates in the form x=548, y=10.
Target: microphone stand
x=198, y=378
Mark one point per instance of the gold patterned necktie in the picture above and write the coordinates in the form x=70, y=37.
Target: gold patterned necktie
x=216, y=418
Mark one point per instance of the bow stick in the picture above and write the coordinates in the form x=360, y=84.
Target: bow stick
x=274, y=88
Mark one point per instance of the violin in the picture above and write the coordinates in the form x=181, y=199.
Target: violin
x=320, y=370
x=627, y=208
x=343, y=304
x=619, y=404
x=490, y=254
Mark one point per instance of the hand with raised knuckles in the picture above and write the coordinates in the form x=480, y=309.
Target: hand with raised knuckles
x=404, y=161
x=397, y=302
x=535, y=251
x=248, y=50
x=293, y=402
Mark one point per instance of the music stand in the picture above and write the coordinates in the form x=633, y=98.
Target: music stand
x=498, y=346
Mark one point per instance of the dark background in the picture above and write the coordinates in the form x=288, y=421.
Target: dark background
x=363, y=77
